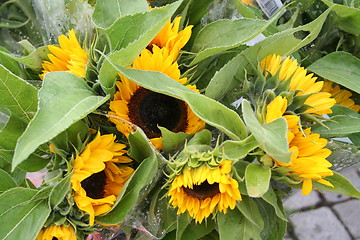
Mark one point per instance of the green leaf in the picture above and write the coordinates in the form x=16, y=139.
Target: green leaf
x=20, y=216
x=203, y=137
x=9, y=134
x=129, y=195
x=272, y=136
x=122, y=35
x=225, y=34
x=173, y=141
x=183, y=220
x=59, y=191
x=34, y=60
x=339, y=67
x=6, y=181
x=17, y=95
x=250, y=210
x=338, y=126
x=9, y=62
x=235, y=150
x=140, y=147
x=63, y=99
x=218, y=115
x=283, y=43
x=146, y=25
x=348, y=17
x=233, y=225
x=108, y=11
x=274, y=227
x=341, y=185
x=271, y=198
x=195, y=231
x=257, y=179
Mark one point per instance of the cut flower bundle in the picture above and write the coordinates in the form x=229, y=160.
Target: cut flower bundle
x=173, y=119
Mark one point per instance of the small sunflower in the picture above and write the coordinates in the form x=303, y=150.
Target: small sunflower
x=342, y=96
x=148, y=109
x=171, y=38
x=68, y=57
x=97, y=180
x=308, y=161
x=320, y=102
x=203, y=186
x=57, y=232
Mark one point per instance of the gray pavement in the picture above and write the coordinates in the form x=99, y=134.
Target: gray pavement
x=325, y=215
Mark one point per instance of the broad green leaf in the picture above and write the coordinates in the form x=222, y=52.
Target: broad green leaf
x=283, y=43
x=195, y=231
x=257, y=179
x=274, y=227
x=339, y=67
x=182, y=222
x=140, y=147
x=146, y=25
x=173, y=141
x=63, y=99
x=235, y=150
x=225, y=34
x=341, y=110
x=233, y=225
x=272, y=137
x=6, y=181
x=9, y=134
x=338, y=126
x=274, y=200
x=218, y=115
x=144, y=174
x=17, y=95
x=250, y=210
x=348, y=17
x=20, y=216
x=9, y=62
x=59, y=191
x=34, y=60
x=132, y=44
x=341, y=185
x=108, y=11
x=203, y=137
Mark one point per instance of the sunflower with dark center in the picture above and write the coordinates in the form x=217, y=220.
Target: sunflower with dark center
x=204, y=190
x=98, y=178
x=148, y=109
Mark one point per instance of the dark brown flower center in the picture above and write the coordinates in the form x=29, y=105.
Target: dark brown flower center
x=149, y=110
x=203, y=191
x=94, y=185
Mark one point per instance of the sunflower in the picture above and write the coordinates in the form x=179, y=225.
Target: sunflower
x=204, y=190
x=69, y=57
x=308, y=161
x=171, y=38
x=320, y=102
x=97, y=180
x=57, y=232
x=148, y=109
x=342, y=96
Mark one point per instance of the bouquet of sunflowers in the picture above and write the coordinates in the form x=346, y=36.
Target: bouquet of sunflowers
x=187, y=119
